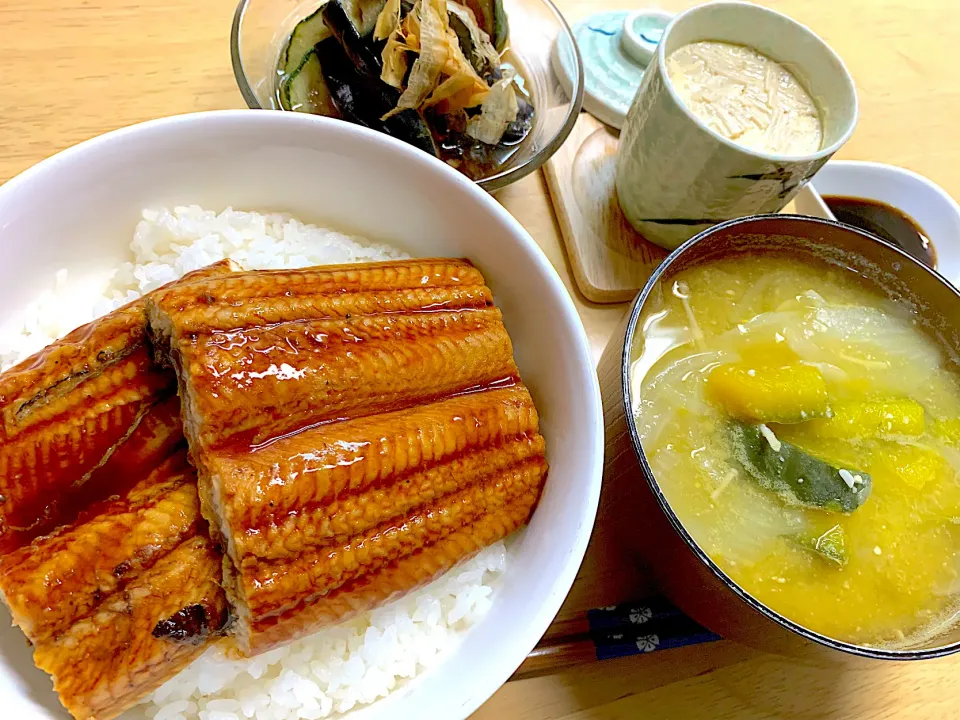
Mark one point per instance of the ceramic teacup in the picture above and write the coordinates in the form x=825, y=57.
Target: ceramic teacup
x=677, y=177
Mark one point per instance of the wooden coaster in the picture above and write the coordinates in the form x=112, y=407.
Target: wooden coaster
x=611, y=261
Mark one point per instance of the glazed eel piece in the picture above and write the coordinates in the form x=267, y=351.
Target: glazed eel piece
x=78, y=415
x=106, y=564
x=119, y=603
x=357, y=430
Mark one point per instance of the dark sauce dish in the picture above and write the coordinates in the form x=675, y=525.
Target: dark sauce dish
x=886, y=222
x=897, y=205
x=649, y=530
x=262, y=30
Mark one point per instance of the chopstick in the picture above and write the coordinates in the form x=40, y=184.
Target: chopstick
x=605, y=633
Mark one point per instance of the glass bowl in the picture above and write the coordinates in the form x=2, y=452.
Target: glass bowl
x=261, y=28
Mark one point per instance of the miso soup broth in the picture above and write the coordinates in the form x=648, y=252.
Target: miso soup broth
x=806, y=431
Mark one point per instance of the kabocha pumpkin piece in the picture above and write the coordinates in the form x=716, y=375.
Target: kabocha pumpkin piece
x=948, y=431
x=785, y=394
x=914, y=465
x=829, y=544
x=871, y=418
x=799, y=478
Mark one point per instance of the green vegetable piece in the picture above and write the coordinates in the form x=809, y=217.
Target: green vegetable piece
x=831, y=545
x=302, y=86
x=308, y=32
x=305, y=89
x=492, y=19
x=798, y=478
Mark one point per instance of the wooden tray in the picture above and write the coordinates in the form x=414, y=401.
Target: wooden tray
x=610, y=260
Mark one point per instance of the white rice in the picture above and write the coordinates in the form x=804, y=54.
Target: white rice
x=335, y=669
x=169, y=243
x=338, y=668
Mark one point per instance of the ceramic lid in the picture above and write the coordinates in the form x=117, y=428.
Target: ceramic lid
x=616, y=48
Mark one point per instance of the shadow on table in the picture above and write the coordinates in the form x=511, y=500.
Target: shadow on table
x=714, y=681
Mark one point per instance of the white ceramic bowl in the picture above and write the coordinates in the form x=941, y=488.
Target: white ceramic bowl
x=929, y=205
x=78, y=210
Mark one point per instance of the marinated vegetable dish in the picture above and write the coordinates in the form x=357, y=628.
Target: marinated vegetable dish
x=429, y=73
x=806, y=431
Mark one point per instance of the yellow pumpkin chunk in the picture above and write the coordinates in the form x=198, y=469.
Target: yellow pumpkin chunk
x=872, y=418
x=913, y=465
x=785, y=394
x=948, y=430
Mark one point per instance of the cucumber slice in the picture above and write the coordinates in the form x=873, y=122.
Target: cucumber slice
x=305, y=89
x=799, y=478
x=308, y=32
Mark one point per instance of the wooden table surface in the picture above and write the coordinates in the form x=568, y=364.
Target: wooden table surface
x=72, y=70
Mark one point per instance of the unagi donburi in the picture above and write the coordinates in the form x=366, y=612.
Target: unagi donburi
x=215, y=471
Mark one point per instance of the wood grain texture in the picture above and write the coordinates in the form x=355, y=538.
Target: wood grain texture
x=609, y=259
x=70, y=71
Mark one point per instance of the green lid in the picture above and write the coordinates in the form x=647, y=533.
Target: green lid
x=615, y=48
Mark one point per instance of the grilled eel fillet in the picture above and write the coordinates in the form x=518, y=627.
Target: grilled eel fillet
x=118, y=604
x=105, y=561
x=357, y=431
x=67, y=413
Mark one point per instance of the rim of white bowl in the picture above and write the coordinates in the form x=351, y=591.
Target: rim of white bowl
x=483, y=687
x=885, y=169
x=935, y=201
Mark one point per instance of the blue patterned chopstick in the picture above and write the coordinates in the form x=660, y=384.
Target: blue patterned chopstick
x=642, y=627
x=633, y=628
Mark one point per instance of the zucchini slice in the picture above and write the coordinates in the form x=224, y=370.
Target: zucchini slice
x=305, y=89
x=308, y=32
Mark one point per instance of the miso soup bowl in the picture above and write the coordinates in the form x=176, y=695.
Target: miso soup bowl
x=647, y=527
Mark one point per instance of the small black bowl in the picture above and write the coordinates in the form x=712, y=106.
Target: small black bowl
x=647, y=527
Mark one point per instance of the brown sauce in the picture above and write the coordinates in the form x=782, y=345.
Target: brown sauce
x=247, y=441
x=886, y=222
